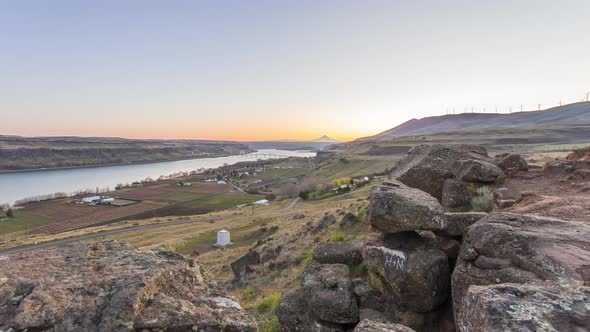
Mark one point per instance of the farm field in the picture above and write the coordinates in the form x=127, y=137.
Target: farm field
x=160, y=198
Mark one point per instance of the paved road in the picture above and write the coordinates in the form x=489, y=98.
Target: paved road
x=73, y=239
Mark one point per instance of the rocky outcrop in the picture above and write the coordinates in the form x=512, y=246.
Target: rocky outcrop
x=243, y=265
x=408, y=264
x=111, y=286
x=457, y=222
x=515, y=307
x=395, y=207
x=426, y=167
x=513, y=163
x=474, y=170
x=415, y=280
x=512, y=248
x=344, y=252
x=325, y=298
x=564, y=168
x=348, y=219
x=455, y=195
x=373, y=326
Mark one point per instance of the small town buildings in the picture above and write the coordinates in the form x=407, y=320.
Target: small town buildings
x=90, y=199
x=262, y=202
x=223, y=238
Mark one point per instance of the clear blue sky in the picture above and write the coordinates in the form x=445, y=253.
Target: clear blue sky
x=279, y=69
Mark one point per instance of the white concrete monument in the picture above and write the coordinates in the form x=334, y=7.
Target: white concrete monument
x=223, y=238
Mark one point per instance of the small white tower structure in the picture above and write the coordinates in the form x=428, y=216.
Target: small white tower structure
x=223, y=238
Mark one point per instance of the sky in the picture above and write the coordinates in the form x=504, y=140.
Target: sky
x=260, y=70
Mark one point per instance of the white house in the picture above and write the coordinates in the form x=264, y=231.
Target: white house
x=223, y=238
x=261, y=202
x=108, y=200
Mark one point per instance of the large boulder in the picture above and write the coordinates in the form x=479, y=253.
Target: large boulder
x=344, y=252
x=326, y=296
x=243, y=265
x=513, y=163
x=455, y=194
x=563, y=168
x=395, y=207
x=111, y=286
x=418, y=280
x=514, y=307
x=368, y=325
x=513, y=248
x=473, y=170
x=426, y=167
x=457, y=222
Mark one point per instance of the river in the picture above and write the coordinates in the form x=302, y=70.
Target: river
x=19, y=185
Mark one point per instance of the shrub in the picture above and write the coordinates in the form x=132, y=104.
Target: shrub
x=336, y=237
x=10, y=213
x=483, y=201
x=266, y=312
x=361, y=215
x=304, y=195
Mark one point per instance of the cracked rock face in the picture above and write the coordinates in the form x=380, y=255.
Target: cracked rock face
x=513, y=248
x=326, y=298
x=537, y=307
x=414, y=279
x=426, y=167
x=111, y=286
x=395, y=207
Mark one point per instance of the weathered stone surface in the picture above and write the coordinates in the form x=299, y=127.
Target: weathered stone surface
x=327, y=220
x=366, y=296
x=242, y=266
x=395, y=207
x=374, y=315
x=505, y=203
x=455, y=194
x=560, y=168
x=513, y=163
x=457, y=222
x=343, y=252
x=473, y=170
x=507, y=193
x=515, y=307
x=426, y=167
x=348, y=219
x=506, y=247
x=417, y=280
x=111, y=286
x=325, y=296
x=376, y=326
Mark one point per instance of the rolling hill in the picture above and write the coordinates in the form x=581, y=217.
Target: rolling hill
x=574, y=114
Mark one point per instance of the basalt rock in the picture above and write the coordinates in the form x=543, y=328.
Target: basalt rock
x=111, y=286
x=344, y=252
x=348, y=219
x=515, y=307
x=458, y=222
x=416, y=280
x=243, y=265
x=426, y=167
x=455, y=194
x=368, y=325
x=325, y=298
x=395, y=207
x=473, y=170
x=513, y=163
x=513, y=248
